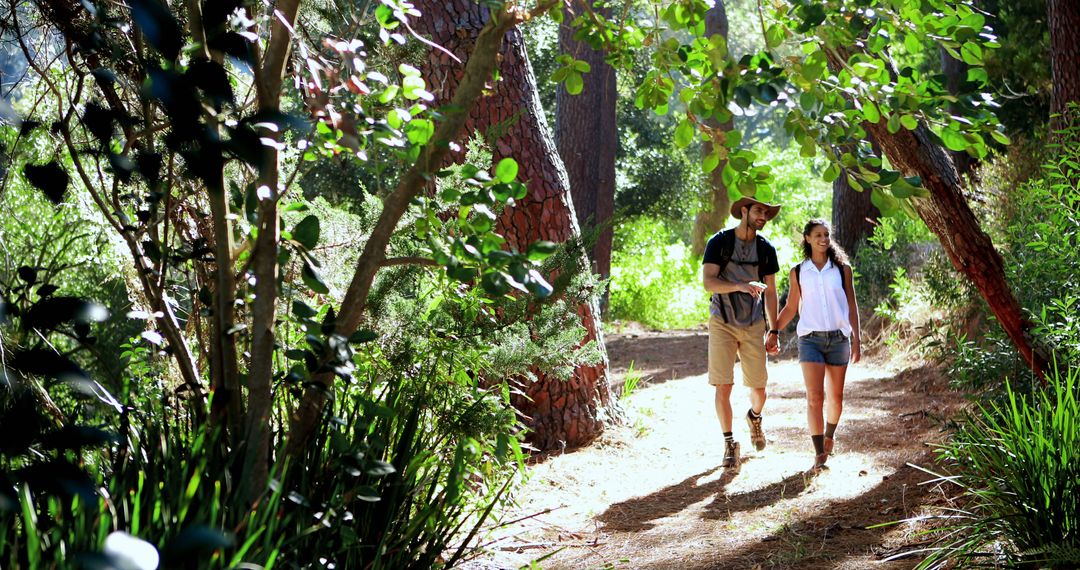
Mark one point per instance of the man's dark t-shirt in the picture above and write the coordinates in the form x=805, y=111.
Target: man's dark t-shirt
x=741, y=309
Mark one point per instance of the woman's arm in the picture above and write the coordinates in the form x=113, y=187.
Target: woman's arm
x=853, y=314
x=791, y=308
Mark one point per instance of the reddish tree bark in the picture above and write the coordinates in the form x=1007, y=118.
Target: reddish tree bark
x=1064, y=20
x=587, y=137
x=560, y=414
x=711, y=219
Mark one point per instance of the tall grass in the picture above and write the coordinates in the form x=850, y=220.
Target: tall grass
x=1018, y=466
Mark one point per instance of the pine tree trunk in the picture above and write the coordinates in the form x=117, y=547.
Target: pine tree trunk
x=711, y=219
x=854, y=215
x=587, y=137
x=560, y=414
x=1064, y=22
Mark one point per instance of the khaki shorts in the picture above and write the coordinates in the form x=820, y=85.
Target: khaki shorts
x=727, y=341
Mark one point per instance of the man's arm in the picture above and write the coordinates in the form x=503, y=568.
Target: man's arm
x=771, y=300
x=714, y=284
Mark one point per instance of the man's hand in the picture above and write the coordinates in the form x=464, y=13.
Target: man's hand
x=753, y=288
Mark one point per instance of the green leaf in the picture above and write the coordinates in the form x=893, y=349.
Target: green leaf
x=887, y=177
x=389, y=94
x=420, y=131
x=831, y=173
x=540, y=250
x=507, y=170
x=581, y=66
x=972, y=53
x=774, y=36
x=912, y=43
x=870, y=112
x=909, y=122
x=894, y=125
x=363, y=335
x=537, y=285
x=495, y=283
x=764, y=193
x=885, y=202
x=306, y=233
x=574, y=83
x=712, y=160
x=313, y=279
x=732, y=139
x=684, y=133
x=302, y=310
x=1000, y=137
x=953, y=139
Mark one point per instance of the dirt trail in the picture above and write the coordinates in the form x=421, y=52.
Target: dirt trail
x=651, y=495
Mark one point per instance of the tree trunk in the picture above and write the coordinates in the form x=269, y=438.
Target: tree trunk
x=710, y=219
x=955, y=72
x=854, y=215
x=587, y=137
x=1064, y=20
x=560, y=414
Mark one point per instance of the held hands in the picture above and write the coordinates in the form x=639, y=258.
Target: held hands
x=772, y=343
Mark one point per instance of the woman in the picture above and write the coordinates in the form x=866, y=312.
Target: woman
x=824, y=298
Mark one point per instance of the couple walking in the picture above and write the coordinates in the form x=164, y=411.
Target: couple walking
x=739, y=269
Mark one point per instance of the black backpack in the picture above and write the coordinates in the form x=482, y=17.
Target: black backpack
x=727, y=249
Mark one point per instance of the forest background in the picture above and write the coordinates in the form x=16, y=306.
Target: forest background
x=307, y=284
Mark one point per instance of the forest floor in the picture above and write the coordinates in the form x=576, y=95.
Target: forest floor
x=651, y=494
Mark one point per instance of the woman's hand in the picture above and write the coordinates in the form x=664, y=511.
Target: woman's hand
x=856, y=350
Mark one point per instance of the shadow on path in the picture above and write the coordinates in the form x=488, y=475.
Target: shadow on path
x=841, y=533
x=637, y=514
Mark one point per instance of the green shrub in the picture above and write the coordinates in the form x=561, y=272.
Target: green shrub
x=655, y=279
x=1018, y=465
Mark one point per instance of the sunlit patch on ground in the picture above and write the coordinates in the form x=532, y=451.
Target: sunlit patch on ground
x=651, y=493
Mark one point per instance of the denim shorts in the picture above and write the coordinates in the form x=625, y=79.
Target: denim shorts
x=827, y=347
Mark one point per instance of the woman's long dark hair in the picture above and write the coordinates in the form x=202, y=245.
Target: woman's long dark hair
x=835, y=252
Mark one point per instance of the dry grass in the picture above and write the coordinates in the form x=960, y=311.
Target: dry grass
x=651, y=495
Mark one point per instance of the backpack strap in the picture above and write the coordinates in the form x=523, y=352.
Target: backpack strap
x=727, y=249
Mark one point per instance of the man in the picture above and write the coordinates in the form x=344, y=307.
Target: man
x=739, y=269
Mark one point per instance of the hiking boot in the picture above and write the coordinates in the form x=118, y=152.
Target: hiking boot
x=757, y=436
x=731, y=454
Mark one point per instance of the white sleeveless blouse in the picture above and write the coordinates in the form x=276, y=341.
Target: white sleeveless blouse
x=823, y=303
